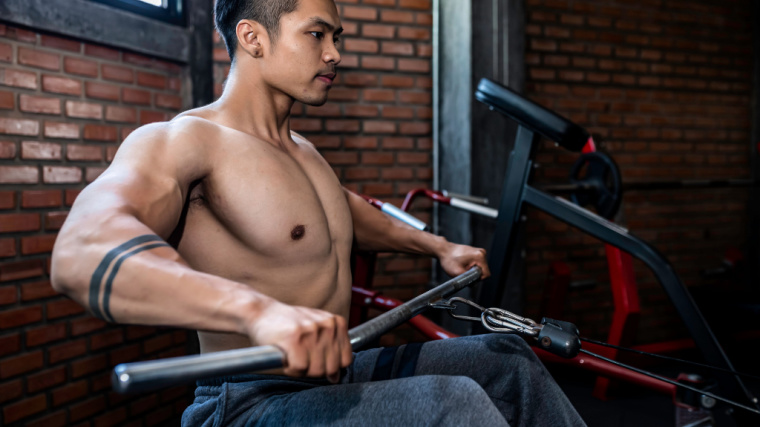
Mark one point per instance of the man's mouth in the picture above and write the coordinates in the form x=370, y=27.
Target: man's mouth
x=327, y=78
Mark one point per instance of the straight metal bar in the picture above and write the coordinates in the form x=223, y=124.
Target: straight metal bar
x=151, y=375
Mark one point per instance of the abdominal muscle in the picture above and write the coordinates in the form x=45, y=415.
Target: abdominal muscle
x=304, y=273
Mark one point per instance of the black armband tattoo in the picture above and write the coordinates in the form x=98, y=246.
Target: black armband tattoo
x=100, y=291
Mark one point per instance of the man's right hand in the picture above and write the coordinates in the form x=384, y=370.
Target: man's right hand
x=315, y=342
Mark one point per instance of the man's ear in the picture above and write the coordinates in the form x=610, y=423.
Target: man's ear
x=252, y=37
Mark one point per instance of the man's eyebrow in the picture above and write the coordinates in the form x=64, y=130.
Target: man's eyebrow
x=319, y=21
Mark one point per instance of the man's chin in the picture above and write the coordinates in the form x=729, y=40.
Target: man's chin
x=316, y=101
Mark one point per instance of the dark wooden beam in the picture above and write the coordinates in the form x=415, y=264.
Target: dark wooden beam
x=95, y=22
x=200, y=25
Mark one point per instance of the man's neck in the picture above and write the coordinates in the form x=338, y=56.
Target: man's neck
x=249, y=105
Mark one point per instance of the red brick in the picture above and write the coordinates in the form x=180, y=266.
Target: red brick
x=342, y=125
x=362, y=173
x=6, y=52
x=37, y=244
x=147, y=117
x=361, y=45
x=396, y=81
x=66, y=351
x=377, y=158
x=19, y=175
x=18, y=78
x=89, y=365
x=61, y=175
x=99, y=132
x=19, y=127
x=414, y=33
x=54, y=220
x=71, y=196
x=24, y=408
x=39, y=59
x=19, y=270
x=101, y=52
x=81, y=67
x=174, y=84
x=86, y=325
x=341, y=158
x=7, y=199
x=36, y=290
x=378, y=31
x=414, y=65
x=415, y=128
x=63, y=308
x=361, y=110
x=62, y=85
x=398, y=143
x=60, y=43
x=7, y=293
x=327, y=110
x=155, y=344
x=359, y=13
x=11, y=390
x=397, y=48
x=379, y=126
x=378, y=63
x=80, y=411
x=44, y=335
x=40, y=150
x=413, y=158
x=168, y=101
x=378, y=189
x=7, y=100
x=39, y=104
x=7, y=149
x=151, y=80
x=378, y=95
x=107, y=339
x=41, y=198
x=13, y=366
x=7, y=248
x=61, y=130
x=69, y=392
x=135, y=96
x=102, y=91
x=359, y=79
x=19, y=222
x=392, y=112
x=112, y=418
x=363, y=142
x=87, y=153
x=407, y=97
x=397, y=16
x=84, y=110
x=116, y=73
x=56, y=419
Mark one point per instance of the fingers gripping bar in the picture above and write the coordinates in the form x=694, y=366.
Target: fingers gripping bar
x=151, y=375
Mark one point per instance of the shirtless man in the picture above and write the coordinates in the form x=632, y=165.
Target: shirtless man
x=260, y=234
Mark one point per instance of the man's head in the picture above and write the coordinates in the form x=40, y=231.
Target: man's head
x=227, y=14
x=305, y=32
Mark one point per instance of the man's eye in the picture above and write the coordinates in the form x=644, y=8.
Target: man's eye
x=336, y=41
x=317, y=34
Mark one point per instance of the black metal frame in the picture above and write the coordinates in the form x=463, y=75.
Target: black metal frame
x=516, y=192
x=172, y=13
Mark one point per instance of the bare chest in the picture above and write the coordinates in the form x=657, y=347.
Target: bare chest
x=284, y=208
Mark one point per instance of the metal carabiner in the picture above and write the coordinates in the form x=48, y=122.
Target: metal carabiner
x=448, y=305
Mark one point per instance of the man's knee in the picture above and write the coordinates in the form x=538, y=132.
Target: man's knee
x=461, y=400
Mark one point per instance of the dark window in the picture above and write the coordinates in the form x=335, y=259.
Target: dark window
x=171, y=11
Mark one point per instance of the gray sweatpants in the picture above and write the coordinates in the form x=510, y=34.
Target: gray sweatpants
x=483, y=380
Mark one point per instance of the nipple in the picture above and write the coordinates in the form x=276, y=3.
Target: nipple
x=297, y=232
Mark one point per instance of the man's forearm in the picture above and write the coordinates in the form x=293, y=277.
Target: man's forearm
x=130, y=275
x=376, y=231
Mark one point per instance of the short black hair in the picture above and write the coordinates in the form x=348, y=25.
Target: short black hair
x=266, y=12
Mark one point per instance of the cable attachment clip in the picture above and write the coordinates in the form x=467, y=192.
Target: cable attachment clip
x=555, y=336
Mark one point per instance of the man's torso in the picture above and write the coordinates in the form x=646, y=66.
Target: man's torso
x=275, y=219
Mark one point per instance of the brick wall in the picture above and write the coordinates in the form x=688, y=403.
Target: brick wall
x=375, y=129
x=666, y=84
x=64, y=108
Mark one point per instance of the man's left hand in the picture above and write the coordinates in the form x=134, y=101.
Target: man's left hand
x=457, y=259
